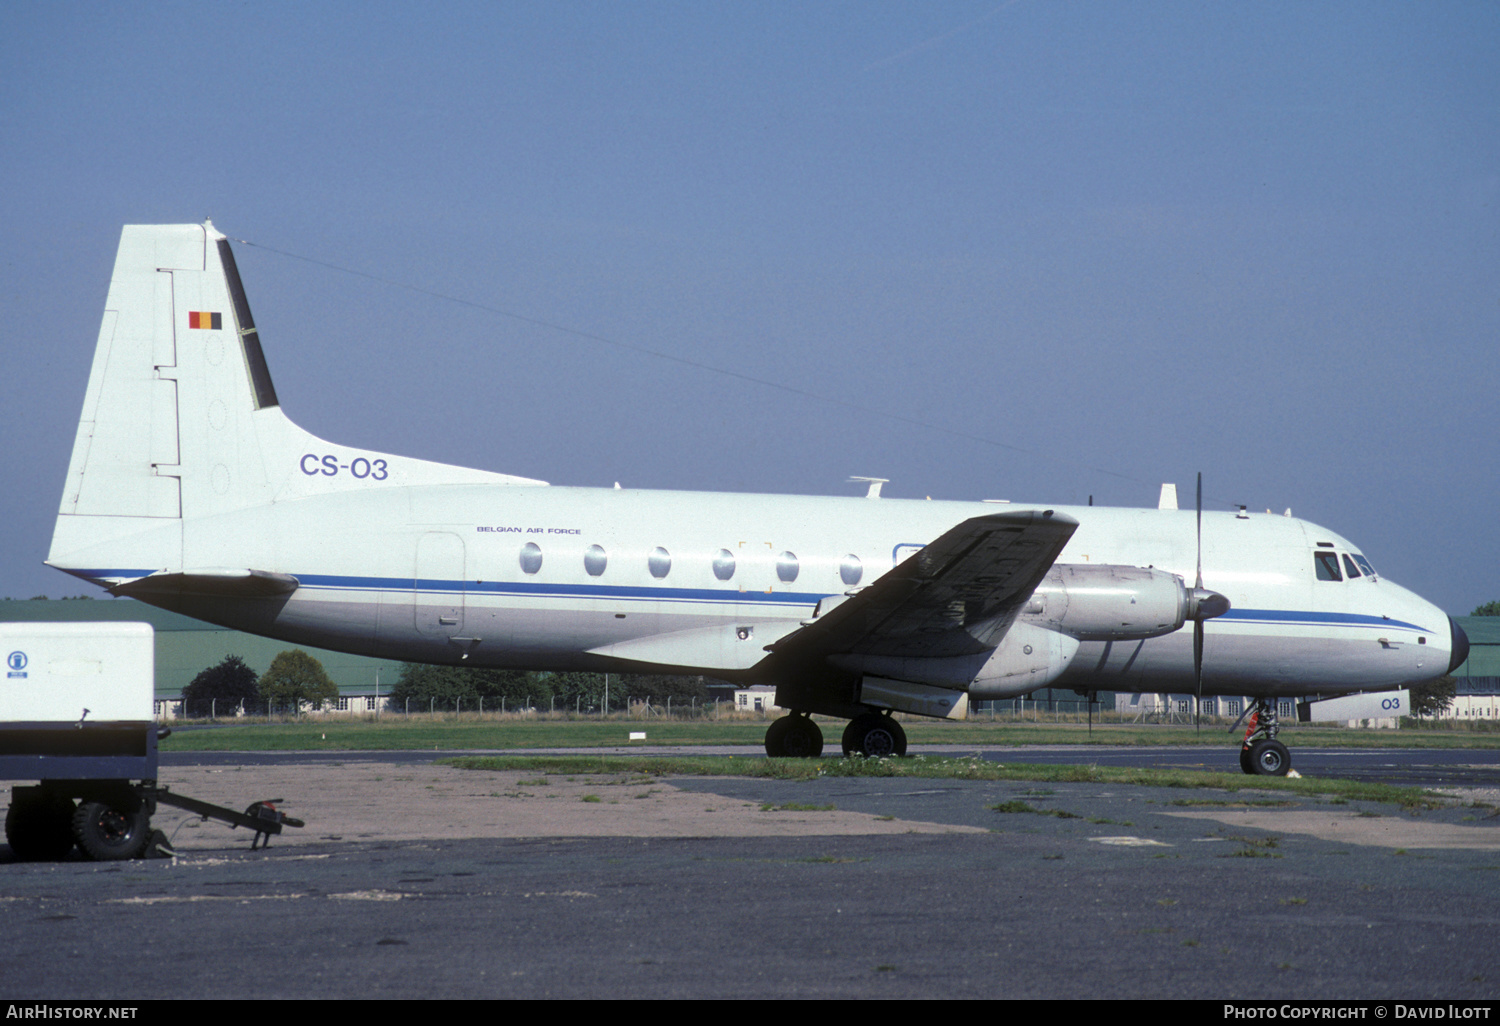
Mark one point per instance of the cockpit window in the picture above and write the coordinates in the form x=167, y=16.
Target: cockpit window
x=1350, y=568
x=1364, y=564
x=1327, y=566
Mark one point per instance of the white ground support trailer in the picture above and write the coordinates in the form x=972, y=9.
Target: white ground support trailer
x=75, y=715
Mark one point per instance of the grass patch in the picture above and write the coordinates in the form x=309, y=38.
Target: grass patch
x=1234, y=803
x=936, y=768
x=447, y=732
x=832, y=860
x=1014, y=806
x=1254, y=848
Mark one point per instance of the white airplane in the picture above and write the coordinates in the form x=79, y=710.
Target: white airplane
x=189, y=489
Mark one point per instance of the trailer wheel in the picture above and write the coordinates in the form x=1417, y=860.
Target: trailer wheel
x=39, y=827
x=105, y=833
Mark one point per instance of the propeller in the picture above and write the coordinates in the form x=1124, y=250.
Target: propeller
x=1202, y=605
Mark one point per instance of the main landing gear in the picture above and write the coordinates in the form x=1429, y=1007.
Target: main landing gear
x=1260, y=753
x=874, y=734
x=794, y=736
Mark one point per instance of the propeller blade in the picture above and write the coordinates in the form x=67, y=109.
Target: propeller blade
x=1199, y=583
x=1198, y=671
x=1198, y=623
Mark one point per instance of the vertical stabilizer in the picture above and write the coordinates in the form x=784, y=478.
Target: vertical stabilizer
x=181, y=424
x=169, y=426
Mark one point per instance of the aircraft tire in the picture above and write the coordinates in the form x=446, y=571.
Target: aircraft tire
x=776, y=738
x=39, y=827
x=1245, y=765
x=874, y=736
x=1270, y=759
x=104, y=833
x=802, y=738
x=794, y=736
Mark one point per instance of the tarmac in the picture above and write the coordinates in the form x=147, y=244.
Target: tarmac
x=418, y=880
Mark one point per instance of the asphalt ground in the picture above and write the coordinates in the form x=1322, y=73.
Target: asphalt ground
x=418, y=881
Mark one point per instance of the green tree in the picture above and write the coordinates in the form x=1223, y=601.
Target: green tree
x=295, y=677
x=1433, y=697
x=658, y=687
x=220, y=690
x=448, y=687
x=1488, y=609
x=578, y=690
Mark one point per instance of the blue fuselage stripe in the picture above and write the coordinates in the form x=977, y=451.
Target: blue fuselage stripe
x=540, y=590
x=629, y=593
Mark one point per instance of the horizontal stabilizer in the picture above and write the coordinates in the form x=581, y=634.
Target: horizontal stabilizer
x=223, y=582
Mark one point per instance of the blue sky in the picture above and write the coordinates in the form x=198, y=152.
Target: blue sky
x=1086, y=247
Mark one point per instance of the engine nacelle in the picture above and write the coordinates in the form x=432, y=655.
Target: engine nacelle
x=1110, y=603
x=1027, y=658
x=1074, y=603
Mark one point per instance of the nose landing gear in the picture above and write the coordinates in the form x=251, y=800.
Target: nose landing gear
x=1261, y=754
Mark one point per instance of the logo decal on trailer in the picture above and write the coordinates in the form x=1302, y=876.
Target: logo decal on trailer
x=17, y=663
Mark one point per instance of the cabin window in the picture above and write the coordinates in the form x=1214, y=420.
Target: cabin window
x=659, y=562
x=724, y=565
x=786, y=567
x=851, y=570
x=595, y=559
x=531, y=557
x=1327, y=566
x=1350, y=568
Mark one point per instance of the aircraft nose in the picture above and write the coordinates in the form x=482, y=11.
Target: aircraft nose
x=1460, y=642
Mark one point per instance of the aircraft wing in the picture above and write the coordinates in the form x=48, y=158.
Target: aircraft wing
x=958, y=596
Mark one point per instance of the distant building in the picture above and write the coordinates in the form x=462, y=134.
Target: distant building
x=1478, y=678
x=759, y=698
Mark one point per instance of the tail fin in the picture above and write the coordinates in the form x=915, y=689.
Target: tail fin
x=181, y=421
x=172, y=284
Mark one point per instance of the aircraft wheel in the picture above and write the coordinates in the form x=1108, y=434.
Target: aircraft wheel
x=1269, y=759
x=39, y=827
x=794, y=737
x=1245, y=764
x=875, y=736
x=776, y=738
x=105, y=833
x=803, y=739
